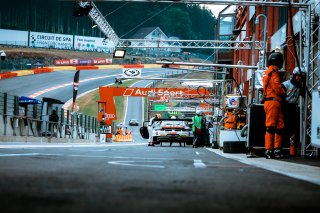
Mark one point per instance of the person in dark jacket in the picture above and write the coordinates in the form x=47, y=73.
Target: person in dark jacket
x=53, y=119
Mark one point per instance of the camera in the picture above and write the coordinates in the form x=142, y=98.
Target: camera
x=3, y=55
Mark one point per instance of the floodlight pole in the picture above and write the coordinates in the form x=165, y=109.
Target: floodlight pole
x=265, y=33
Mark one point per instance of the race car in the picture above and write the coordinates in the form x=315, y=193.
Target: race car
x=133, y=122
x=170, y=130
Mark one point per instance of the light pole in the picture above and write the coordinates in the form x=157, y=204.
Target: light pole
x=264, y=36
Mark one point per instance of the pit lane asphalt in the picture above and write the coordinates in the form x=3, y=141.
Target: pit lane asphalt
x=132, y=177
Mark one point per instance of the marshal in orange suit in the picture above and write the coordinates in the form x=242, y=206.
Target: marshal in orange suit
x=273, y=92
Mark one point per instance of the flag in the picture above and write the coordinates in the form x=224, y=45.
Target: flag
x=75, y=89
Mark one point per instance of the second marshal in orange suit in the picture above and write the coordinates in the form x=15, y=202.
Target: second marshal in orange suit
x=273, y=92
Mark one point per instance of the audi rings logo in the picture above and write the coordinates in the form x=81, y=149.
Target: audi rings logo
x=108, y=116
x=132, y=72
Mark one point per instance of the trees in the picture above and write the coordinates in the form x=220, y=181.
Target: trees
x=176, y=22
x=182, y=20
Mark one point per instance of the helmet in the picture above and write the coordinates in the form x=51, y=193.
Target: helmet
x=298, y=77
x=276, y=59
x=296, y=70
x=199, y=113
x=173, y=117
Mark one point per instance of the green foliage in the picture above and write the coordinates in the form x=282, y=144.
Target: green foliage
x=177, y=22
x=182, y=20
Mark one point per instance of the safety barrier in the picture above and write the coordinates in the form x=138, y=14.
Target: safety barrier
x=87, y=67
x=42, y=70
x=97, y=67
x=28, y=123
x=8, y=75
x=123, y=138
x=23, y=129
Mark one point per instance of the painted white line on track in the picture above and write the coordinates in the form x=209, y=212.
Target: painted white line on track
x=141, y=159
x=94, y=150
x=27, y=154
x=120, y=157
x=19, y=146
x=197, y=153
x=34, y=95
x=199, y=164
x=18, y=155
x=294, y=170
x=137, y=163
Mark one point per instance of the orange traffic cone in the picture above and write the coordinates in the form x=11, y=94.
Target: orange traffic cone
x=292, y=148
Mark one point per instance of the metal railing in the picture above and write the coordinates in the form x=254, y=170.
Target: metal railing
x=28, y=121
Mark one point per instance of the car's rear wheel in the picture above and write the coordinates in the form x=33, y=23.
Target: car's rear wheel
x=189, y=141
x=154, y=140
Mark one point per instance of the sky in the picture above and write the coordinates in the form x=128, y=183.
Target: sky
x=216, y=8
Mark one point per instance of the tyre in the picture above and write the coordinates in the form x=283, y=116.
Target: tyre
x=215, y=145
x=155, y=140
x=189, y=141
x=234, y=147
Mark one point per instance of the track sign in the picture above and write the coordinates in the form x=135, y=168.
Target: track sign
x=158, y=107
x=131, y=73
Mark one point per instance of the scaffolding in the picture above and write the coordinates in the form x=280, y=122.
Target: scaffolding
x=309, y=47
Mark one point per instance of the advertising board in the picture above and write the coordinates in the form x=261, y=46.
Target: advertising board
x=93, y=44
x=14, y=37
x=50, y=40
x=74, y=62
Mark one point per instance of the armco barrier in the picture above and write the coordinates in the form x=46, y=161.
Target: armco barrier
x=61, y=68
x=152, y=66
x=133, y=66
x=8, y=75
x=115, y=66
x=87, y=67
x=23, y=72
x=42, y=70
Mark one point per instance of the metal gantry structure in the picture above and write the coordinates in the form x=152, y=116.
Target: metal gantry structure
x=309, y=46
x=96, y=16
x=309, y=50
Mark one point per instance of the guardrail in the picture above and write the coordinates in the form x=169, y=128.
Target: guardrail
x=18, y=123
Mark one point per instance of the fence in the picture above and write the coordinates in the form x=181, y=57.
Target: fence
x=27, y=123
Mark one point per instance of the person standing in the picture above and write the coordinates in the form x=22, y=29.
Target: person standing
x=196, y=129
x=294, y=87
x=150, y=129
x=53, y=120
x=274, y=92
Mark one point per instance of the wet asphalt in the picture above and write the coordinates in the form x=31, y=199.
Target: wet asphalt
x=137, y=178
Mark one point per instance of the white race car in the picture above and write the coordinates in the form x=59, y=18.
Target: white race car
x=170, y=130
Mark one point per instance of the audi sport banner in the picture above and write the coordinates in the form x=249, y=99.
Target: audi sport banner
x=75, y=89
x=131, y=73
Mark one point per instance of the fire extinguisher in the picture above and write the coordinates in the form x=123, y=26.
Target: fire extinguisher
x=292, y=149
